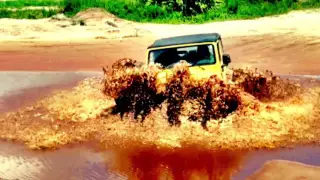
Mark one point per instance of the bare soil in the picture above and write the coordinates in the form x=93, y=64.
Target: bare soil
x=284, y=54
x=284, y=44
x=60, y=56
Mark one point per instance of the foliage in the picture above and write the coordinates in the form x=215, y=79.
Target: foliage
x=71, y=7
x=166, y=11
x=187, y=7
x=25, y=3
x=27, y=14
x=13, y=9
x=176, y=11
x=232, y=6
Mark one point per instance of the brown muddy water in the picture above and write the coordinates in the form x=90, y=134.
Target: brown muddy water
x=83, y=162
x=20, y=88
x=87, y=161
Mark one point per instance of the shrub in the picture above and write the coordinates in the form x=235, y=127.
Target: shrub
x=187, y=7
x=27, y=14
x=232, y=6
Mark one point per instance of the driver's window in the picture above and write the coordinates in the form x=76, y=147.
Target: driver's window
x=205, y=55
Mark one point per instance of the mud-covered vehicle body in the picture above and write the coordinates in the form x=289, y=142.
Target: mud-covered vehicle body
x=203, y=51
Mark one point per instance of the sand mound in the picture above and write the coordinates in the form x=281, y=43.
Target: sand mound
x=92, y=23
x=96, y=14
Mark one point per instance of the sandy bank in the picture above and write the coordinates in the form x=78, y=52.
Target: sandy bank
x=103, y=25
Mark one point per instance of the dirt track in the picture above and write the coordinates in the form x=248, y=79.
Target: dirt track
x=283, y=54
x=284, y=44
x=68, y=56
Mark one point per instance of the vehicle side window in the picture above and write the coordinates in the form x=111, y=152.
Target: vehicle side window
x=205, y=55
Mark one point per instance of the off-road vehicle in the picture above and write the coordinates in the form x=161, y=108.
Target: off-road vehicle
x=203, y=51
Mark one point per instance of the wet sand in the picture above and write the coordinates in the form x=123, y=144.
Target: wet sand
x=286, y=170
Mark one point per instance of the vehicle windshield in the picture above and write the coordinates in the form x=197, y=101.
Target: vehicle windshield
x=195, y=55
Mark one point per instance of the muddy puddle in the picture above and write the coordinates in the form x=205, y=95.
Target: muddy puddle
x=84, y=162
x=19, y=88
x=68, y=163
x=87, y=161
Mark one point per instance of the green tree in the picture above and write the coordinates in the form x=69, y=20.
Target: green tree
x=187, y=7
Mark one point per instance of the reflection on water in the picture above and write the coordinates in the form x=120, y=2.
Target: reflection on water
x=69, y=163
x=81, y=162
x=182, y=163
x=145, y=163
x=25, y=97
x=19, y=89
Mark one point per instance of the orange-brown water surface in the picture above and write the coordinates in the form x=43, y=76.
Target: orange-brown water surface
x=97, y=158
x=86, y=161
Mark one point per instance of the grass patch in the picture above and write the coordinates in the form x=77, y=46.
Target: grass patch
x=71, y=7
x=136, y=10
x=27, y=14
x=13, y=9
x=23, y=3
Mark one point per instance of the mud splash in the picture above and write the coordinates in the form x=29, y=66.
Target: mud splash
x=139, y=89
x=154, y=148
x=81, y=114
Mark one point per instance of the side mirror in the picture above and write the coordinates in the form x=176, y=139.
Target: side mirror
x=226, y=59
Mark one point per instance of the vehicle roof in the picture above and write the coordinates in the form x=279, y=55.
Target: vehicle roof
x=186, y=39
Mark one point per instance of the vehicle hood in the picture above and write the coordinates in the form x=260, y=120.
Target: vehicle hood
x=197, y=72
